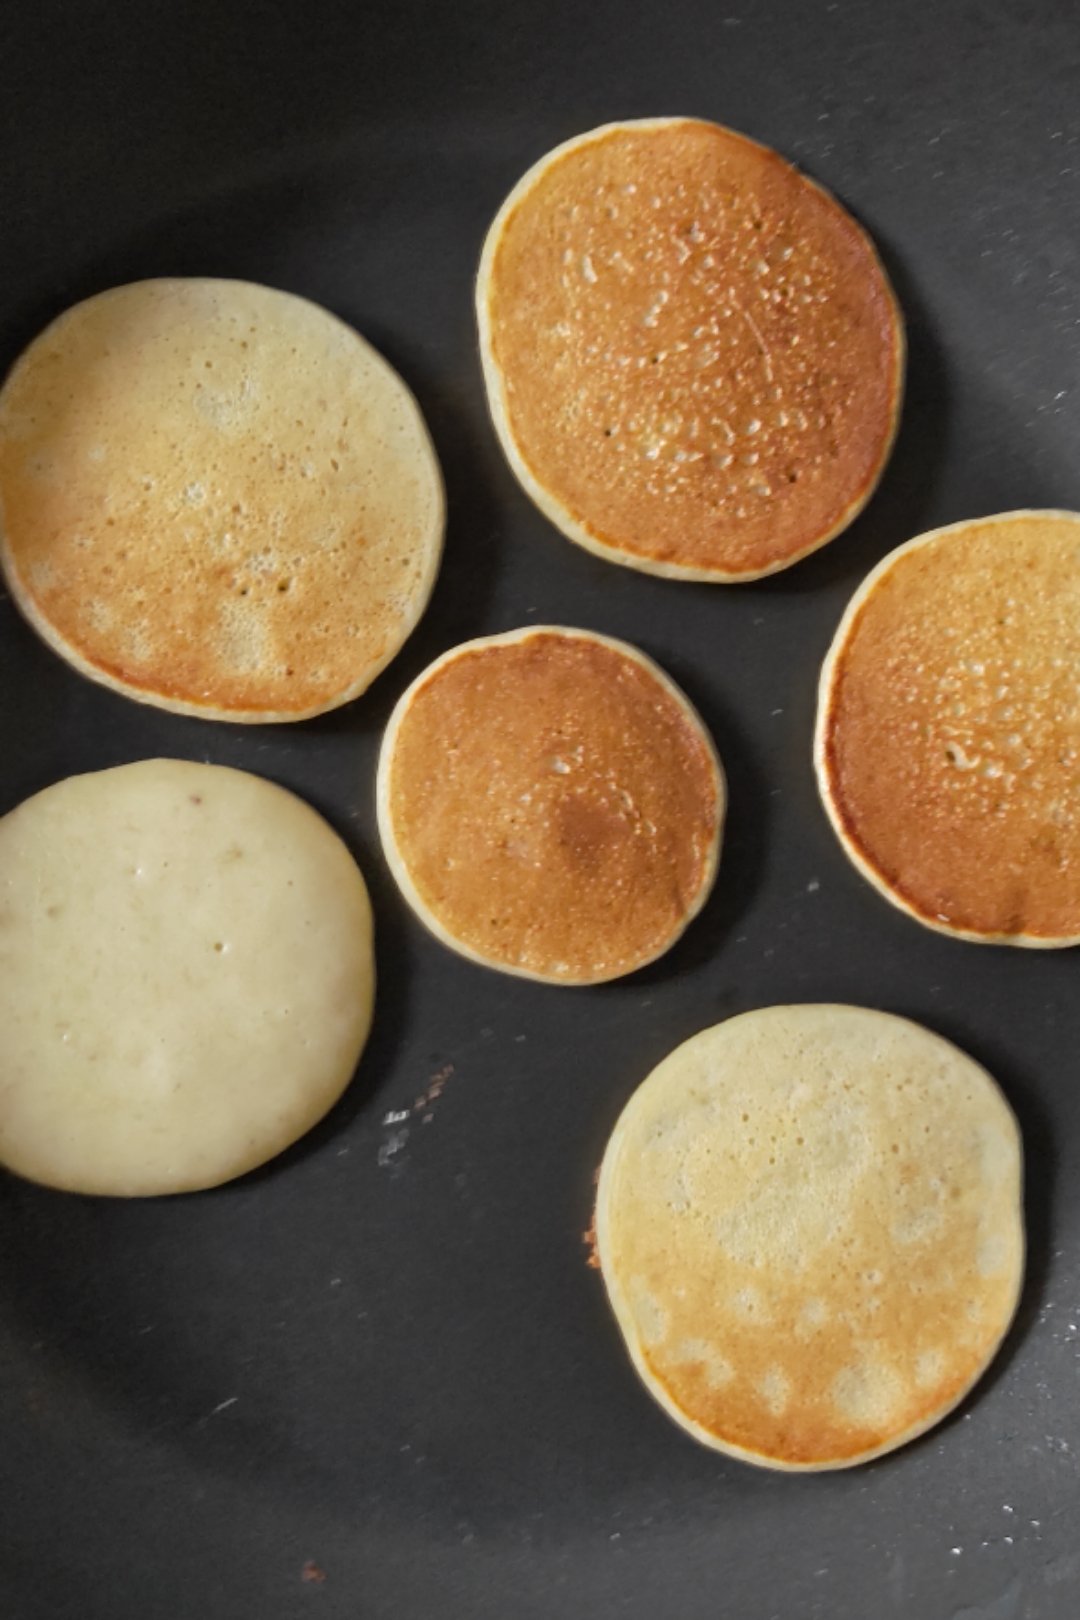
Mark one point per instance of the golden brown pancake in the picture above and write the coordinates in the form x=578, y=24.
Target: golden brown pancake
x=186, y=977
x=809, y=1226
x=550, y=804
x=216, y=498
x=693, y=356
x=948, y=733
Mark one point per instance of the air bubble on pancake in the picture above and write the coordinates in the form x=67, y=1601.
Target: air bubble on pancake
x=866, y=1393
x=138, y=642
x=244, y=641
x=917, y=1226
x=992, y=1255
x=775, y=1390
x=699, y=1352
x=650, y=1318
x=749, y=1303
x=655, y=309
x=929, y=1368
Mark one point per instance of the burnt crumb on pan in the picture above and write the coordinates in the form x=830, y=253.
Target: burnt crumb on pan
x=588, y=1237
x=431, y=1094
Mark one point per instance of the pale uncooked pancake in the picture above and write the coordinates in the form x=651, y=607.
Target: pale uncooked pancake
x=809, y=1226
x=693, y=356
x=186, y=977
x=550, y=804
x=216, y=498
x=948, y=734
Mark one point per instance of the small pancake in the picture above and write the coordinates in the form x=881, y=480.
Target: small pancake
x=216, y=498
x=948, y=732
x=550, y=804
x=186, y=977
x=809, y=1227
x=693, y=356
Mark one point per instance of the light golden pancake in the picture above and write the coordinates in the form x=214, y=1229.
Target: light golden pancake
x=809, y=1226
x=693, y=356
x=550, y=804
x=948, y=733
x=216, y=498
x=186, y=977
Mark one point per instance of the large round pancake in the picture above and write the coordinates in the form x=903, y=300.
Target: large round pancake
x=693, y=357
x=948, y=731
x=809, y=1225
x=217, y=498
x=550, y=804
x=186, y=977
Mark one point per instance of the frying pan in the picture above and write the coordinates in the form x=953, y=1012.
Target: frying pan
x=377, y=1380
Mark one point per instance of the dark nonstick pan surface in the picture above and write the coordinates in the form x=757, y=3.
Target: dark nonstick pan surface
x=377, y=1380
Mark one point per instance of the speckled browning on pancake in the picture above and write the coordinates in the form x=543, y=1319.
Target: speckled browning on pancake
x=693, y=356
x=948, y=744
x=216, y=497
x=809, y=1226
x=551, y=804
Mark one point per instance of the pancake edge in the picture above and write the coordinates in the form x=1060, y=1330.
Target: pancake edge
x=624, y=1317
x=77, y=660
x=396, y=860
x=823, y=730
x=494, y=385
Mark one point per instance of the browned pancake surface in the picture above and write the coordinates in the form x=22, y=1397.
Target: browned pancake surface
x=556, y=808
x=701, y=355
x=809, y=1226
x=217, y=497
x=950, y=742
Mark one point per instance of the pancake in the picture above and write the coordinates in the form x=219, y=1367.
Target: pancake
x=694, y=360
x=809, y=1227
x=186, y=977
x=948, y=733
x=216, y=498
x=550, y=804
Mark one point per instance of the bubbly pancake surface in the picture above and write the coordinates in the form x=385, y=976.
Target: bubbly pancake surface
x=693, y=357
x=809, y=1226
x=216, y=497
x=186, y=977
x=948, y=743
x=551, y=804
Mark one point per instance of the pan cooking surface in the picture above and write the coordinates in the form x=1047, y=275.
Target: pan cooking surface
x=377, y=1379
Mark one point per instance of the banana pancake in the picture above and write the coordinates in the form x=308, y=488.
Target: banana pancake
x=186, y=977
x=809, y=1226
x=550, y=804
x=693, y=357
x=216, y=498
x=948, y=732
